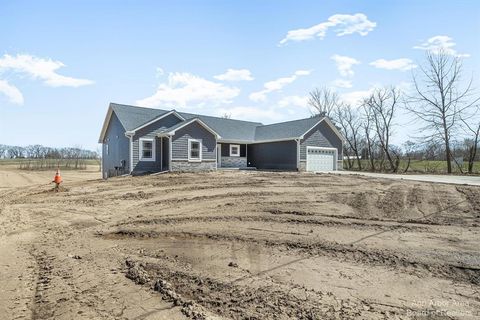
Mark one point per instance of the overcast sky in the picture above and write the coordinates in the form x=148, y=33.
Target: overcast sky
x=61, y=63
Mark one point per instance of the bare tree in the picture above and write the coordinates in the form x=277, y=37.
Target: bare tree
x=439, y=101
x=323, y=101
x=15, y=152
x=472, y=127
x=3, y=149
x=370, y=138
x=227, y=115
x=350, y=125
x=382, y=105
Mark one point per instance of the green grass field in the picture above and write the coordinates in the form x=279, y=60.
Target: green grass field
x=421, y=166
x=47, y=164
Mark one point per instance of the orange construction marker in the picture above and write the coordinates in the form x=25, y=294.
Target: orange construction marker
x=57, y=179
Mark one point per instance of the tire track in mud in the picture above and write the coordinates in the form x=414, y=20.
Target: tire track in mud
x=42, y=308
x=228, y=195
x=331, y=221
x=237, y=301
x=340, y=252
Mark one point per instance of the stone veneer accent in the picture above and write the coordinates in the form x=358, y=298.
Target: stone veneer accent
x=303, y=165
x=193, y=166
x=234, y=162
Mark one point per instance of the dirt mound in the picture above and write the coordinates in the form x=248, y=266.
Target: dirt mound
x=422, y=203
x=140, y=195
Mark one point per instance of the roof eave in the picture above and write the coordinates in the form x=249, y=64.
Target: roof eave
x=175, y=113
x=105, y=123
x=330, y=124
x=203, y=124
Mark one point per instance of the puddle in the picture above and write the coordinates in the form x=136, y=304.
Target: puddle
x=205, y=253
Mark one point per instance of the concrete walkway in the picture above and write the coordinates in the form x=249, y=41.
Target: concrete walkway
x=469, y=180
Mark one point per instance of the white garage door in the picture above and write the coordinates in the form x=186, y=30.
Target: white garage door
x=320, y=159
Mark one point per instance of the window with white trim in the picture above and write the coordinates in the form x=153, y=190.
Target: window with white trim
x=194, y=150
x=147, y=150
x=234, y=150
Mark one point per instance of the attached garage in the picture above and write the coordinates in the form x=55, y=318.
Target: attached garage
x=321, y=159
x=281, y=155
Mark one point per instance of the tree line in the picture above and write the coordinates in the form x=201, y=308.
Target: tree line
x=41, y=152
x=38, y=157
x=444, y=105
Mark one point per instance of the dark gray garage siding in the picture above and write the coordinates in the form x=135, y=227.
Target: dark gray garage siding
x=273, y=155
x=321, y=136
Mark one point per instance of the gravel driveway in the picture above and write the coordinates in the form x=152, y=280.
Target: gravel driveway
x=468, y=180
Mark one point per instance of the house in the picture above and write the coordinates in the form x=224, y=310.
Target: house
x=143, y=140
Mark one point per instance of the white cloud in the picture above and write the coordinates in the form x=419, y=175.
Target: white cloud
x=183, y=89
x=402, y=64
x=342, y=83
x=293, y=101
x=344, y=23
x=345, y=64
x=13, y=94
x=235, y=75
x=441, y=43
x=355, y=97
x=276, y=85
x=40, y=69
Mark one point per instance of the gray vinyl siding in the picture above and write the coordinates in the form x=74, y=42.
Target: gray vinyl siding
x=321, y=136
x=118, y=146
x=193, y=131
x=273, y=155
x=150, y=132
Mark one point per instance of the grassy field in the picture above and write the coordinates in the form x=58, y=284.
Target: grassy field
x=421, y=166
x=48, y=164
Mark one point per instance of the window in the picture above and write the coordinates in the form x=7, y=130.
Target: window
x=147, y=150
x=106, y=149
x=194, y=150
x=234, y=150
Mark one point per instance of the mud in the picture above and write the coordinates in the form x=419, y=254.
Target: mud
x=240, y=245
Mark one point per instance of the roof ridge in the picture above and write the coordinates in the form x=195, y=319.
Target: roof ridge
x=132, y=106
x=181, y=112
x=205, y=115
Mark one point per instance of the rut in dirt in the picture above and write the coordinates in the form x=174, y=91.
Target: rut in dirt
x=341, y=252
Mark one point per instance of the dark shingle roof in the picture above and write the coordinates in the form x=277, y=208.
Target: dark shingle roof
x=228, y=129
x=285, y=130
x=133, y=117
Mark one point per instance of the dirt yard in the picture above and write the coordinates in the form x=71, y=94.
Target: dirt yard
x=10, y=176
x=240, y=245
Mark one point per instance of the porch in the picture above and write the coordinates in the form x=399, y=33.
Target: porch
x=232, y=156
